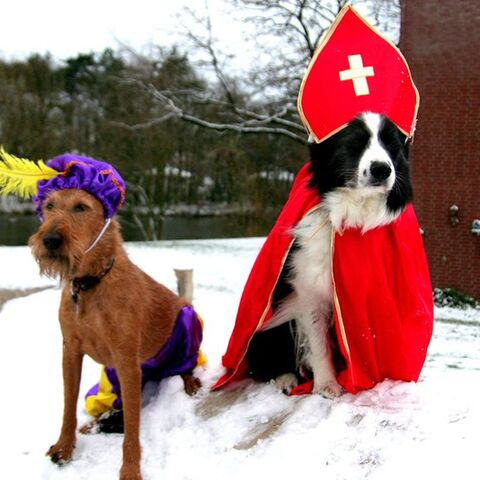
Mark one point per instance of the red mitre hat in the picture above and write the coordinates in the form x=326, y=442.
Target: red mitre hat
x=354, y=70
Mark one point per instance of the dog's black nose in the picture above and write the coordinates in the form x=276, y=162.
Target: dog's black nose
x=52, y=241
x=380, y=170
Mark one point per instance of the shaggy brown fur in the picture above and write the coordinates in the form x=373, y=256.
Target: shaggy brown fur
x=120, y=323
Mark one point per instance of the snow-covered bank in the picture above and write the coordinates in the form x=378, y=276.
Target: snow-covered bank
x=397, y=430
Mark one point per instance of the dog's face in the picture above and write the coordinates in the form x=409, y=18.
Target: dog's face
x=72, y=220
x=371, y=154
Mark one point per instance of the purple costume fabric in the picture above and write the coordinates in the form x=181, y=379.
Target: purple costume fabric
x=179, y=355
x=98, y=178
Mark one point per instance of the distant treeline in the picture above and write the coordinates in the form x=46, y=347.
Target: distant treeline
x=99, y=104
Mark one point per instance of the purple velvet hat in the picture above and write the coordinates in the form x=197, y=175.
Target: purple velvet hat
x=99, y=179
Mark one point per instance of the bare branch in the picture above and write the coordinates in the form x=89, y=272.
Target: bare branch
x=296, y=26
x=145, y=125
x=242, y=127
x=247, y=121
x=206, y=43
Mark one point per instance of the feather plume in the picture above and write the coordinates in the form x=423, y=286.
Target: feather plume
x=19, y=176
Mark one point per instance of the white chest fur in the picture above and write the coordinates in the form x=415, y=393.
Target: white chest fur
x=344, y=208
x=311, y=274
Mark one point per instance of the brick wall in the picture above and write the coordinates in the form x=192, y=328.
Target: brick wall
x=441, y=42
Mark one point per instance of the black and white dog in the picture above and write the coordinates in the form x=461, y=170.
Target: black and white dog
x=362, y=175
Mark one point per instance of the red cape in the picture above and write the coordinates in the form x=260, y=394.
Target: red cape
x=383, y=306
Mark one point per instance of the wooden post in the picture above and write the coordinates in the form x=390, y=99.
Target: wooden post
x=185, y=283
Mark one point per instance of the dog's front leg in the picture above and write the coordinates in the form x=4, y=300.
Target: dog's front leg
x=72, y=370
x=130, y=383
x=316, y=326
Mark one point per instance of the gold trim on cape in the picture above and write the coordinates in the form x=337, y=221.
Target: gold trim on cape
x=268, y=305
x=338, y=310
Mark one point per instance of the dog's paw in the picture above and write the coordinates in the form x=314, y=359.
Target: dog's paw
x=330, y=389
x=111, y=422
x=286, y=382
x=192, y=384
x=89, y=427
x=61, y=452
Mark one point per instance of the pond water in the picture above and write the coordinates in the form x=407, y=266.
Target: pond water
x=16, y=229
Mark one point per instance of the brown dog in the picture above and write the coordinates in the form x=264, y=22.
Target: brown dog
x=121, y=321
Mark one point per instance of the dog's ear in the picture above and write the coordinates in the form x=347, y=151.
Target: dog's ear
x=407, y=145
x=394, y=141
x=399, y=149
x=334, y=161
x=321, y=159
x=320, y=151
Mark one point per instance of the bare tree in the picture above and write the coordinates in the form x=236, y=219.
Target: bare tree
x=145, y=213
x=263, y=100
x=289, y=32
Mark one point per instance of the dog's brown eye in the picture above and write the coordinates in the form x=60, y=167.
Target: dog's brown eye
x=80, y=207
x=49, y=206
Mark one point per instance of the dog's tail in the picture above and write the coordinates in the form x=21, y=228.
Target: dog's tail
x=289, y=311
x=285, y=312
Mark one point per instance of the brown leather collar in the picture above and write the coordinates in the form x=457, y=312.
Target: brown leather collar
x=82, y=284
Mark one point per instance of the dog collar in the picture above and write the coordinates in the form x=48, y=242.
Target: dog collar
x=82, y=284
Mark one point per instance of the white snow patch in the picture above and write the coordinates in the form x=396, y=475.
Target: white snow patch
x=395, y=431
x=468, y=314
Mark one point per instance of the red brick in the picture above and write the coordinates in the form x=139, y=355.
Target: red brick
x=441, y=41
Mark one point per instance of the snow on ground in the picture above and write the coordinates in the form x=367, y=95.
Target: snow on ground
x=397, y=430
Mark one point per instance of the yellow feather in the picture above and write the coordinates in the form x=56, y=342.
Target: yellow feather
x=19, y=176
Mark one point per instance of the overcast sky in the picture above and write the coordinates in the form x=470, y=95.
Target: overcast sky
x=65, y=28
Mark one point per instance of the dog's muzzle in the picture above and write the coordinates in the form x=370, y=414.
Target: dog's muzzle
x=52, y=241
